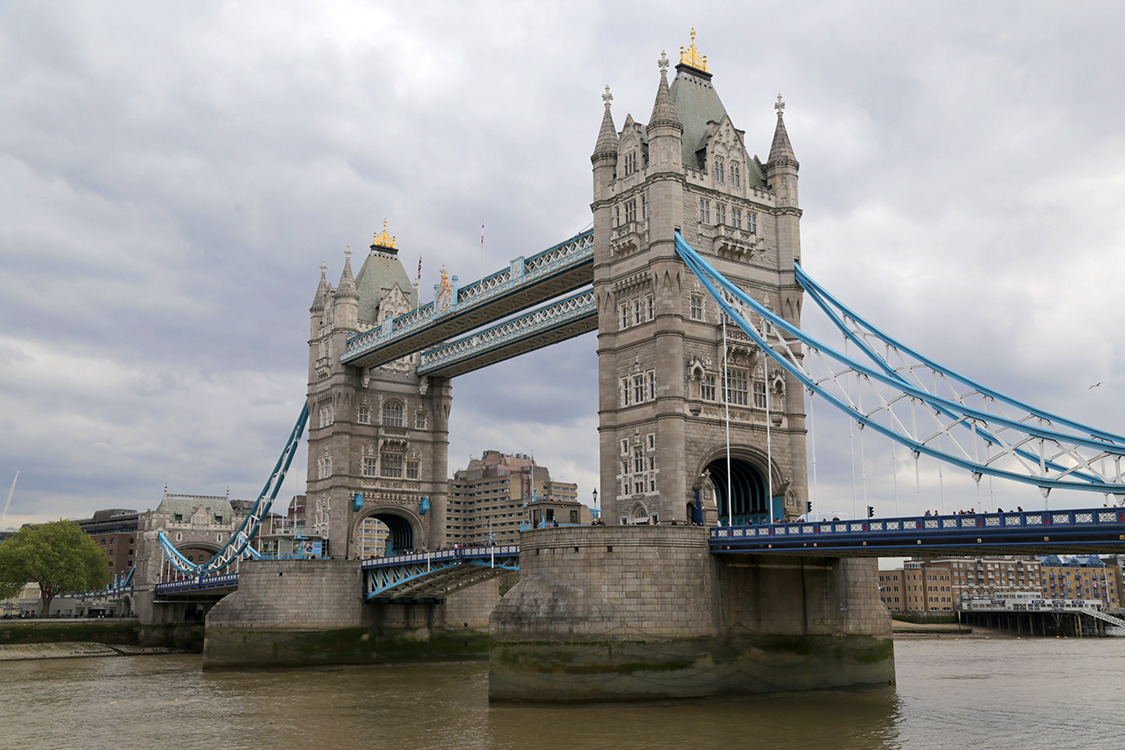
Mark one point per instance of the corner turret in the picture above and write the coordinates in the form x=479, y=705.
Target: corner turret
x=347, y=297
x=665, y=131
x=604, y=157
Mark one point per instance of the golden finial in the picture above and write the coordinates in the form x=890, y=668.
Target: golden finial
x=384, y=239
x=692, y=57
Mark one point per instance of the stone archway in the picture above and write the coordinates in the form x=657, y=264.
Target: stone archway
x=197, y=551
x=742, y=492
x=639, y=515
x=403, y=530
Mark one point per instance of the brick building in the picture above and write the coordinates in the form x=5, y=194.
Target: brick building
x=115, y=531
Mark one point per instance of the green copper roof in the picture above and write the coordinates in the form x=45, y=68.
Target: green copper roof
x=381, y=271
x=697, y=103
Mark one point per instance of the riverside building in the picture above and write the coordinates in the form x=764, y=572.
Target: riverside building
x=946, y=584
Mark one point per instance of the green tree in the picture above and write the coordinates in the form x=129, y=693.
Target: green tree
x=59, y=556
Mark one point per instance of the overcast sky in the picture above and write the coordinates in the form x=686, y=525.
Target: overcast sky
x=172, y=174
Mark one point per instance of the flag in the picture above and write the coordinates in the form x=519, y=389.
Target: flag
x=419, y=266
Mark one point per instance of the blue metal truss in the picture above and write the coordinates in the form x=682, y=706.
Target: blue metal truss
x=542, y=327
x=435, y=575
x=966, y=424
x=239, y=542
x=524, y=283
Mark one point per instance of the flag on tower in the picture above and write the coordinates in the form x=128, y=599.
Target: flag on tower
x=419, y=266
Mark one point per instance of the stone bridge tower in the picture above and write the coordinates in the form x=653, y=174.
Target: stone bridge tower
x=663, y=398
x=378, y=433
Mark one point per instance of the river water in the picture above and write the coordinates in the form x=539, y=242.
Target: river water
x=951, y=693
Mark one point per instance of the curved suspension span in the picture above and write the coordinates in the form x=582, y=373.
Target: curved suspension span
x=952, y=418
x=239, y=542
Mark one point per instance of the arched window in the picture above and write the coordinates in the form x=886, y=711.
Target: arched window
x=735, y=174
x=720, y=171
x=392, y=413
x=363, y=416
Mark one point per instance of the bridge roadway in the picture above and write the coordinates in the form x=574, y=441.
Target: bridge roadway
x=432, y=576
x=1085, y=531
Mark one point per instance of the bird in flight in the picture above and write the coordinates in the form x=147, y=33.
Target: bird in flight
x=1095, y=385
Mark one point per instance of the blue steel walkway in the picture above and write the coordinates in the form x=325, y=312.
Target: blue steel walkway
x=1087, y=531
x=431, y=576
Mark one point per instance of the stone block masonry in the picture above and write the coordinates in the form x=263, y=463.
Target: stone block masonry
x=296, y=613
x=625, y=613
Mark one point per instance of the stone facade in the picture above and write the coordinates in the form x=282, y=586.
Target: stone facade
x=610, y=612
x=379, y=432
x=661, y=347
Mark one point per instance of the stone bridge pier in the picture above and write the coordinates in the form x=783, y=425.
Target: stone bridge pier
x=603, y=613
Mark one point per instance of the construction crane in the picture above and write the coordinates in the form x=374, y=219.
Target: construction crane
x=9, y=500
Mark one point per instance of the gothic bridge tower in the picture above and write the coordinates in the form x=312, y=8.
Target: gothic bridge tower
x=379, y=433
x=664, y=401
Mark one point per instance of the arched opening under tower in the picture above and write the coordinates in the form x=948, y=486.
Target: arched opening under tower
x=746, y=489
x=383, y=533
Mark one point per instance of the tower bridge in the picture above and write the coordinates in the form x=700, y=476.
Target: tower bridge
x=691, y=276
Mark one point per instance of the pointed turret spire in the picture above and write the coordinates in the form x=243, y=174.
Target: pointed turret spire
x=347, y=281
x=781, y=150
x=664, y=109
x=607, y=136
x=322, y=289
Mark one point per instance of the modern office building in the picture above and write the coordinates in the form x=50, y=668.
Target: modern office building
x=498, y=492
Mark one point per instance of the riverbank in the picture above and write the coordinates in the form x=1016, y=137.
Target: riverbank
x=75, y=650
x=109, y=632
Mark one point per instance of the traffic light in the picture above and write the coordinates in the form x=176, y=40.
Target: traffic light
x=808, y=506
x=870, y=511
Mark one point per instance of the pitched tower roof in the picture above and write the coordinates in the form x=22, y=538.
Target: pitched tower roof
x=696, y=100
x=664, y=108
x=782, y=149
x=380, y=272
x=607, y=137
x=322, y=290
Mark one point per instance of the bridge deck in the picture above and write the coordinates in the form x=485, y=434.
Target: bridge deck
x=1086, y=531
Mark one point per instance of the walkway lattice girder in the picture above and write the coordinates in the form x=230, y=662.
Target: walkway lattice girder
x=525, y=283
x=537, y=329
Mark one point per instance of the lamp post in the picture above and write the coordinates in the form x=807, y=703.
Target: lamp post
x=595, y=504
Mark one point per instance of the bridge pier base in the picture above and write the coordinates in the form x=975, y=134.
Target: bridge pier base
x=609, y=612
x=298, y=613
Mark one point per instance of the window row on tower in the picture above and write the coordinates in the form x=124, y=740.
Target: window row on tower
x=638, y=473
x=390, y=465
x=393, y=415
x=750, y=224
x=636, y=311
x=638, y=388
x=626, y=213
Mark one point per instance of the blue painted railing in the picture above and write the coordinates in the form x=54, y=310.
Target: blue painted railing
x=199, y=583
x=1021, y=528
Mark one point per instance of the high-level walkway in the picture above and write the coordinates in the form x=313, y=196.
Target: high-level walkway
x=525, y=283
